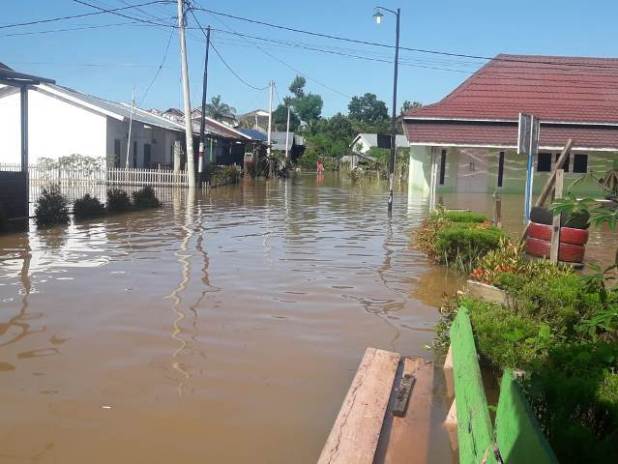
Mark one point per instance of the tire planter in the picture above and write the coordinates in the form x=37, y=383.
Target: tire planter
x=567, y=252
x=567, y=234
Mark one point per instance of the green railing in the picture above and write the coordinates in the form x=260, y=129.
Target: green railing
x=516, y=437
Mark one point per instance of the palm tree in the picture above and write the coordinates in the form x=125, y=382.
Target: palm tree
x=218, y=110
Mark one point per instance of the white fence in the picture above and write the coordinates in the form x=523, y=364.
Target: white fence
x=74, y=177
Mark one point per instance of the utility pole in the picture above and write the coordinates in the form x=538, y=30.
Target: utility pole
x=270, y=124
x=378, y=16
x=287, y=136
x=130, y=127
x=203, y=115
x=186, y=95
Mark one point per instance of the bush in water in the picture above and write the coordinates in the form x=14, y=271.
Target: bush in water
x=88, y=207
x=118, y=201
x=51, y=207
x=145, y=198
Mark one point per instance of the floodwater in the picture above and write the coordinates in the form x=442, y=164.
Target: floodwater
x=222, y=328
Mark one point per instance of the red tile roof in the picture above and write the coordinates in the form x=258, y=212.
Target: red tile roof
x=475, y=134
x=552, y=88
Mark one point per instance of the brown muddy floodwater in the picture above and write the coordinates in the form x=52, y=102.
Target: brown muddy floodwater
x=226, y=328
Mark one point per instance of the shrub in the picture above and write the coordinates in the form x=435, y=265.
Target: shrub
x=51, y=207
x=574, y=394
x=464, y=216
x=462, y=246
x=88, y=207
x=145, y=198
x=117, y=201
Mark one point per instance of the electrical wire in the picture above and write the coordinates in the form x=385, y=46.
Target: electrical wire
x=244, y=81
x=115, y=11
x=154, y=79
x=81, y=15
x=383, y=45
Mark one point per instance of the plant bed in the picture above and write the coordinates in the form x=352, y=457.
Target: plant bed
x=458, y=238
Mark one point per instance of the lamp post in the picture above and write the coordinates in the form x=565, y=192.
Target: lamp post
x=379, y=16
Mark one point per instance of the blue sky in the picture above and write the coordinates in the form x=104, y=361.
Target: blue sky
x=111, y=61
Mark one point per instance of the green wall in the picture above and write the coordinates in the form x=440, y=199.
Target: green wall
x=514, y=171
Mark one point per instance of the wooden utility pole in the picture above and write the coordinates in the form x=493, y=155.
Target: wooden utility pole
x=130, y=128
x=270, y=124
x=186, y=95
x=287, y=136
x=203, y=115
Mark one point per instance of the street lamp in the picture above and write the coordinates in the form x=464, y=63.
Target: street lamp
x=379, y=16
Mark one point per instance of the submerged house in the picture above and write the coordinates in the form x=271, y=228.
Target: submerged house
x=63, y=122
x=472, y=132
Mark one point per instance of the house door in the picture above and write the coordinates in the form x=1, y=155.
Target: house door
x=472, y=171
x=147, y=156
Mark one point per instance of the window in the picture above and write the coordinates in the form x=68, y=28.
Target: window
x=500, y=169
x=116, y=153
x=566, y=162
x=543, y=162
x=580, y=163
x=442, y=167
x=135, y=154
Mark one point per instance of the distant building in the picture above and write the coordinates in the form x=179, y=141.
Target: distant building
x=472, y=133
x=363, y=142
x=295, y=146
x=256, y=119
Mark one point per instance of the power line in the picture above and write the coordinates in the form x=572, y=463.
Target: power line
x=167, y=48
x=383, y=45
x=69, y=29
x=81, y=15
x=248, y=84
x=115, y=11
x=279, y=60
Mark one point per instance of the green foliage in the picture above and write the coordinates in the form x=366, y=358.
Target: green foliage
x=368, y=108
x=463, y=245
x=87, y=164
x=280, y=118
x=117, y=201
x=297, y=87
x=574, y=394
x=145, y=198
x=464, y=216
x=408, y=105
x=51, y=207
x=218, y=110
x=223, y=175
x=88, y=207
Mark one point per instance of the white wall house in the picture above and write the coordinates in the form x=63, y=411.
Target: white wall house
x=63, y=122
x=363, y=142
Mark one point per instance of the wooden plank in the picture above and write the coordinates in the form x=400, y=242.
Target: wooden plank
x=354, y=436
x=405, y=439
x=448, y=372
x=555, y=232
x=518, y=436
x=474, y=428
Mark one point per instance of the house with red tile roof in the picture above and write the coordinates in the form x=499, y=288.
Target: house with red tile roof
x=471, y=134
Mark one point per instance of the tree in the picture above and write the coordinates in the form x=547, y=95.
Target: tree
x=308, y=107
x=216, y=109
x=368, y=108
x=280, y=117
x=297, y=87
x=407, y=106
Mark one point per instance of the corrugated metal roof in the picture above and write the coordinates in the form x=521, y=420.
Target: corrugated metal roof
x=552, y=88
x=121, y=109
x=372, y=140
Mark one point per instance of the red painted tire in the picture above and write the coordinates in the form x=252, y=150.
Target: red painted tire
x=567, y=253
x=539, y=231
x=573, y=236
x=567, y=234
x=537, y=247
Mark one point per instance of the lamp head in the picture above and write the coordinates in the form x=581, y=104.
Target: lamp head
x=378, y=16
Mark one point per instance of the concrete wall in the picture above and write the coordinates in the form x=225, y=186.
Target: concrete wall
x=476, y=170
x=55, y=128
